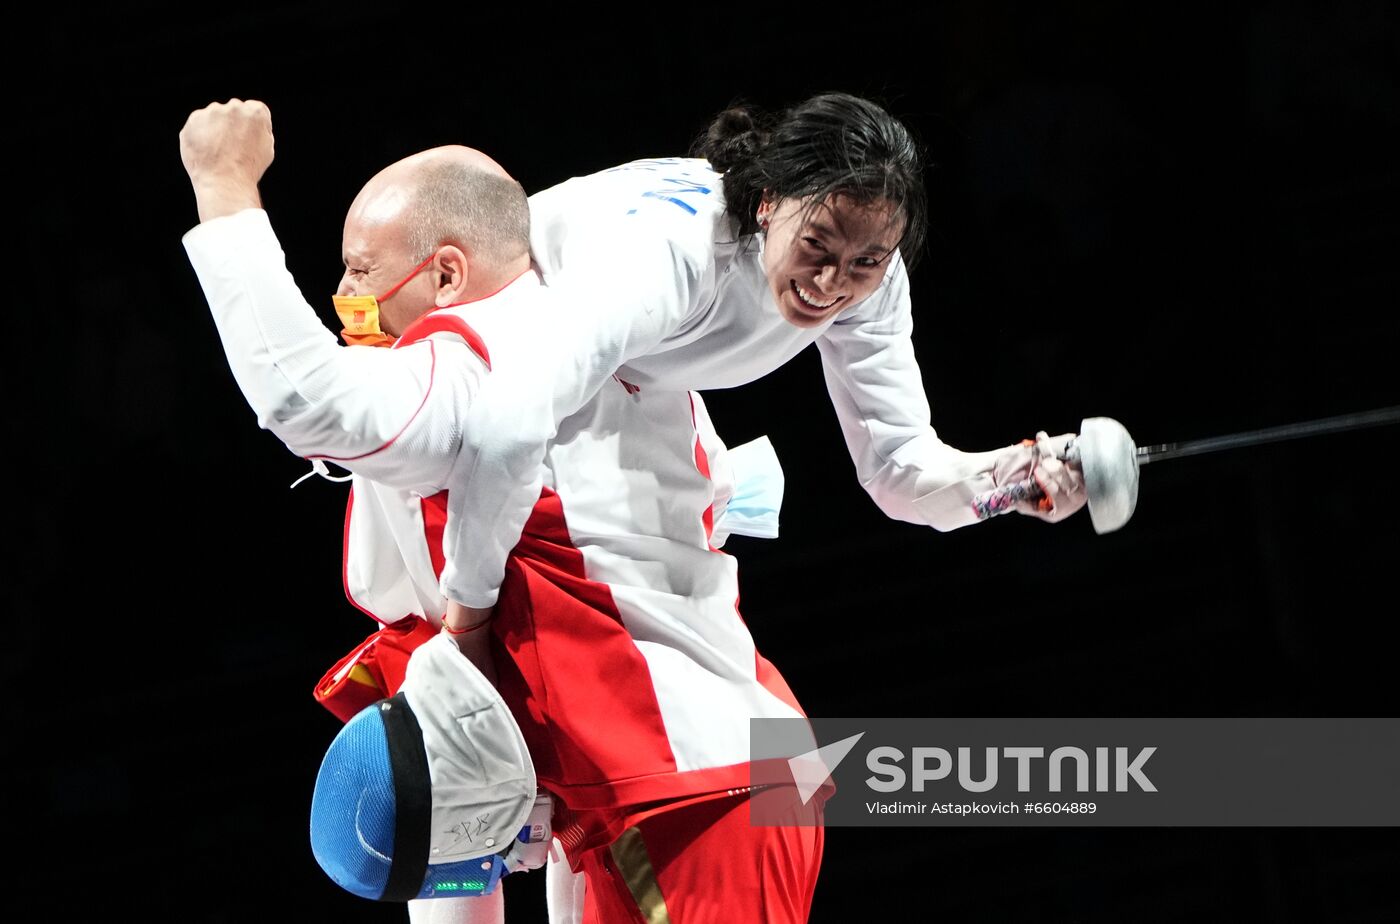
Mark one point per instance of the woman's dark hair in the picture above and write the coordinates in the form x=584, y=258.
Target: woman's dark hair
x=832, y=143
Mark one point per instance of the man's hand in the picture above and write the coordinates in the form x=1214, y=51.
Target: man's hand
x=226, y=148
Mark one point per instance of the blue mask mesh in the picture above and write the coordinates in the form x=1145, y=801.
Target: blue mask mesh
x=352, y=809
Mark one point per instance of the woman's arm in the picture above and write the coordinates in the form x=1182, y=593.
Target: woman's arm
x=878, y=393
x=625, y=292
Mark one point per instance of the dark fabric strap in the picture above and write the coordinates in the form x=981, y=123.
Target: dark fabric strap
x=413, y=800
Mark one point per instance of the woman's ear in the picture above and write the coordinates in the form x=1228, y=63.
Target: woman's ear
x=765, y=210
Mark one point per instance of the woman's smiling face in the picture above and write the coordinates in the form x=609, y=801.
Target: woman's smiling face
x=821, y=258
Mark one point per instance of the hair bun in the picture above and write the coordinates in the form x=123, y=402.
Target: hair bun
x=734, y=137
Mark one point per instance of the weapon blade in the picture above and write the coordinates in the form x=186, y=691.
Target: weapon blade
x=1358, y=421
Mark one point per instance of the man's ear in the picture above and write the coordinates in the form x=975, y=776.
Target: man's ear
x=452, y=273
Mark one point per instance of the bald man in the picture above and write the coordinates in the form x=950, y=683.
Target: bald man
x=411, y=207
x=454, y=204
x=437, y=230
x=630, y=671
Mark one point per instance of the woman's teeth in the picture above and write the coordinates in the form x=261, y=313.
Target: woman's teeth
x=811, y=302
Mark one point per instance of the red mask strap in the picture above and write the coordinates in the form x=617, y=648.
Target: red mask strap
x=403, y=282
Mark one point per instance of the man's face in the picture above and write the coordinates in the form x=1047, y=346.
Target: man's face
x=376, y=256
x=822, y=258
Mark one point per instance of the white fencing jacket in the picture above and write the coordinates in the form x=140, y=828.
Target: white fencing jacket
x=627, y=665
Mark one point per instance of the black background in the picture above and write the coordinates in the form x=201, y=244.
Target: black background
x=1184, y=218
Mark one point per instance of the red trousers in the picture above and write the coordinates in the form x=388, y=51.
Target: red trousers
x=704, y=863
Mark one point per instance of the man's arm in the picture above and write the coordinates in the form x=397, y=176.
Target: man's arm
x=393, y=416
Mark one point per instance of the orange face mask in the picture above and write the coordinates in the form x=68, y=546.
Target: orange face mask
x=360, y=313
